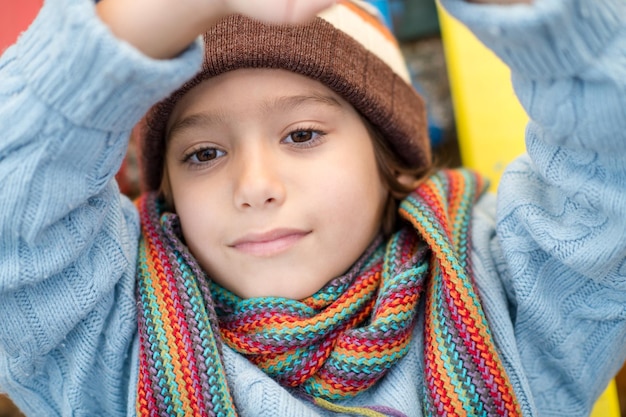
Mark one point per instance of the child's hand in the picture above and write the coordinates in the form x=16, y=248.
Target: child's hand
x=164, y=28
x=278, y=11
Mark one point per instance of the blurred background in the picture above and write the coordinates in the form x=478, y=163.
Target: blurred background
x=446, y=65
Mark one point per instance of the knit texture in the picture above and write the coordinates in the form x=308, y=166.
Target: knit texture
x=341, y=340
x=181, y=370
x=464, y=375
x=344, y=338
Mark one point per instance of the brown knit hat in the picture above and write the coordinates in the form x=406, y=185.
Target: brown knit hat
x=346, y=48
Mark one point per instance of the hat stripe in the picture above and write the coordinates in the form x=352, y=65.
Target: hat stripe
x=363, y=26
x=371, y=17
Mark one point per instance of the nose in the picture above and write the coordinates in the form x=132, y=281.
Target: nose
x=258, y=182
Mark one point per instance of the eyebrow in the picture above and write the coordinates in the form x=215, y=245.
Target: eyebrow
x=193, y=121
x=296, y=101
x=282, y=103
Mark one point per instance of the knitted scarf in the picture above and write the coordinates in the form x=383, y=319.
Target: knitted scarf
x=341, y=340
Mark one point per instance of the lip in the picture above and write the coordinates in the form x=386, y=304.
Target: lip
x=269, y=243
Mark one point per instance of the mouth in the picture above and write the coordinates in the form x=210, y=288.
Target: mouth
x=270, y=243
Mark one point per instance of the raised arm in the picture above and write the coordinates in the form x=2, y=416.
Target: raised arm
x=71, y=89
x=561, y=224
x=69, y=95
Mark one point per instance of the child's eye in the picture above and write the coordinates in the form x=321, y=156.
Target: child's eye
x=203, y=155
x=307, y=137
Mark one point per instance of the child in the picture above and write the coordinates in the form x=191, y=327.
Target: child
x=265, y=271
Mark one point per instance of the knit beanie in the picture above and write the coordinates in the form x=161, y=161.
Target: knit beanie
x=347, y=48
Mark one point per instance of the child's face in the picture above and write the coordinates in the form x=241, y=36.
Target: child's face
x=275, y=181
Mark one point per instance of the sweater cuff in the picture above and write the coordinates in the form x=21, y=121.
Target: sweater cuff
x=550, y=38
x=74, y=64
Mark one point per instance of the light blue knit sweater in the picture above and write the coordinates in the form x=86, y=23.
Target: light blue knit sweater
x=550, y=262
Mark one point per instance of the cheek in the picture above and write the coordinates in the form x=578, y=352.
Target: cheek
x=355, y=194
x=192, y=220
x=366, y=179
x=201, y=230
x=197, y=209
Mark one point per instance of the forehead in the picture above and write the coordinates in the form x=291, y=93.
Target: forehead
x=262, y=90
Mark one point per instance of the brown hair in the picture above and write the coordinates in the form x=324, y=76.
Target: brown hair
x=397, y=176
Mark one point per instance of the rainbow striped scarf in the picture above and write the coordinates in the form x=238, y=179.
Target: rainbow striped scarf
x=341, y=340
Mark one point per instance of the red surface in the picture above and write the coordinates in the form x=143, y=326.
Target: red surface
x=15, y=17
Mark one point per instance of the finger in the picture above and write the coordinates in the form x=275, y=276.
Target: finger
x=280, y=11
x=299, y=11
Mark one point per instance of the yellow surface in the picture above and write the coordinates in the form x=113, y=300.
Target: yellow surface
x=490, y=124
x=608, y=404
x=490, y=121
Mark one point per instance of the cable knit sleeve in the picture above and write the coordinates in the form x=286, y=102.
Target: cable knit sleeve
x=69, y=95
x=561, y=219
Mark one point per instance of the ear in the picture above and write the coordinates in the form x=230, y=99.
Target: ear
x=407, y=180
